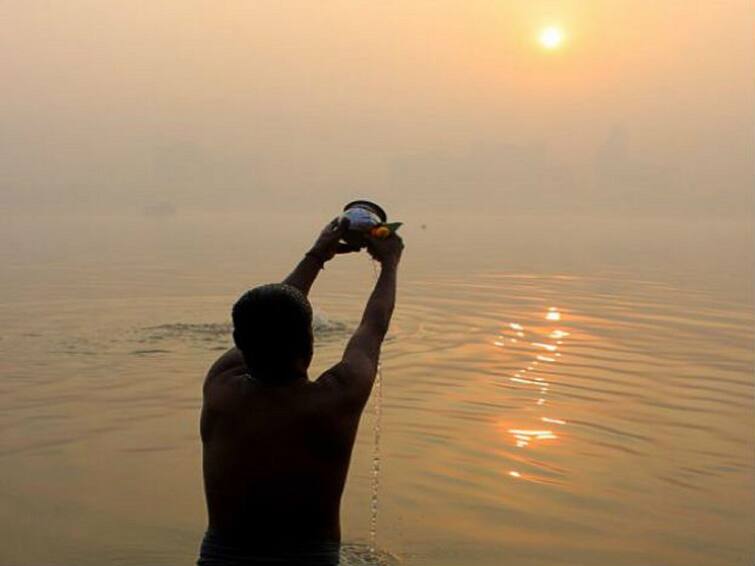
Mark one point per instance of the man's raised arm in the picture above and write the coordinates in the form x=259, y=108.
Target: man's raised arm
x=323, y=250
x=356, y=371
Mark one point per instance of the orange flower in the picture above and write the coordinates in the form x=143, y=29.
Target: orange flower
x=381, y=232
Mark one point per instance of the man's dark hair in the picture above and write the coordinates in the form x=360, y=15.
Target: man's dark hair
x=272, y=326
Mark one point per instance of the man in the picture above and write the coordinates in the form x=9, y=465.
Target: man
x=277, y=446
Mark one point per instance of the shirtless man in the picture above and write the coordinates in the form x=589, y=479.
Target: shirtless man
x=277, y=446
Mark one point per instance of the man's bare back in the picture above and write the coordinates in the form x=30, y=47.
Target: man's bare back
x=276, y=445
x=275, y=458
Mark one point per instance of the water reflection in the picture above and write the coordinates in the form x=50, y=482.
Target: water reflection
x=553, y=314
x=524, y=436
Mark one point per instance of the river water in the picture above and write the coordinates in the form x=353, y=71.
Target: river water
x=573, y=391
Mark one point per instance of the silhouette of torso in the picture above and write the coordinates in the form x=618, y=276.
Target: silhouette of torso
x=275, y=457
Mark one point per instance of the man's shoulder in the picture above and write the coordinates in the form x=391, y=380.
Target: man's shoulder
x=332, y=393
x=230, y=361
x=342, y=384
x=223, y=379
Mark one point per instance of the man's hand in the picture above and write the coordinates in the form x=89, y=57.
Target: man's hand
x=386, y=250
x=328, y=244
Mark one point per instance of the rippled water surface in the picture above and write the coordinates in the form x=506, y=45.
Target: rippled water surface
x=538, y=405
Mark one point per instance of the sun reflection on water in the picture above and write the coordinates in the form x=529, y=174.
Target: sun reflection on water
x=553, y=314
x=526, y=436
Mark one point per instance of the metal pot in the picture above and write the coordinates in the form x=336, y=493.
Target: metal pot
x=363, y=216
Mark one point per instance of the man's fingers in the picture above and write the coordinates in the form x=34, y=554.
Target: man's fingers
x=342, y=248
x=337, y=226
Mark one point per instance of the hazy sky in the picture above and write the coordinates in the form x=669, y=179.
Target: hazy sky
x=648, y=106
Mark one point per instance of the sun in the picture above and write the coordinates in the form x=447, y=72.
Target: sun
x=551, y=37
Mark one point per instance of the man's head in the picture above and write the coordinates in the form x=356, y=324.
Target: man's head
x=272, y=326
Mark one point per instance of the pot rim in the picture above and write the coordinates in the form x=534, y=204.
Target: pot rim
x=376, y=208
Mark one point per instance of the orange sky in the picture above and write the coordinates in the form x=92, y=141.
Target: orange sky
x=647, y=107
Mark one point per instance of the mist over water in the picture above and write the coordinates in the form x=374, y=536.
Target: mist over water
x=568, y=376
